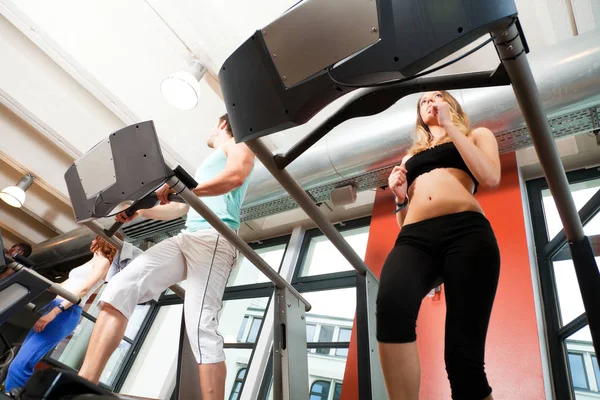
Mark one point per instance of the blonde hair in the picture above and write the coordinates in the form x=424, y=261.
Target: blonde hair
x=422, y=138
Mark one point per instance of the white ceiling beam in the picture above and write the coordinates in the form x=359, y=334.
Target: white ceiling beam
x=23, y=226
x=587, y=14
x=13, y=14
x=8, y=239
x=25, y=150
x=39, y=204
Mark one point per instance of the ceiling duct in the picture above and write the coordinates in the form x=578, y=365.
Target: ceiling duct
x=361, y=151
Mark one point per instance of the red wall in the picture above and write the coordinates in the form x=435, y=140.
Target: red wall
x=513, y=363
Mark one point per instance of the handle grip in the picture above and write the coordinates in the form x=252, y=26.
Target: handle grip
x=147, y=202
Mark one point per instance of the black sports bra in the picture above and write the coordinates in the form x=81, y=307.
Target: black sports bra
x=445, y=155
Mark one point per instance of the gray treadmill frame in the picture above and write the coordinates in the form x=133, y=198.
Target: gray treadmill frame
x=300, y=106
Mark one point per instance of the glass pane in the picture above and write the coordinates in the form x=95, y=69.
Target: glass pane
x=332, y=308
x=337, y=392
x=236, y=360
x=310, y=332
x=245, y=273
x=235, y=391
x=71, y=350
x=580, y=364
x=596, y=369
x=567, y=288
x=582, y=192
x=255, y=327
x=114, y=363
x=91, y=306
x=136, y=320
x=242, y=330
x=344, y=336
x=325, y=335
x=332, y=313
x=154, y=369
x=592, y=228
x=323, y=258
x=240, y=320
x=319, y=390
x=577, y=369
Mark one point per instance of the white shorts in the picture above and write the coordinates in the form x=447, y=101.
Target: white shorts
x=205, y=259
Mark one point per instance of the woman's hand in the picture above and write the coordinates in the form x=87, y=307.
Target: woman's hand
x=163, y=194
x=41, y=323
x=441, y=110
x=397, y=182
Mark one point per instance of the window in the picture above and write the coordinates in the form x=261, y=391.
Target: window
x=337, y=392
x=322, y=257
x=561, y=295
x=325, y=335
x=157, y=356
x=596, y=369
x=582, y=192
x=70, y=352
x=578, y=374
x=237, y=385
x=245, y=273
x=310, y=332
x=328, y=283
x=319, y=390
x=240, y=320
x=343, y=336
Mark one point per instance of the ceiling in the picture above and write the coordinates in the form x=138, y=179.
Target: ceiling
x=72, y=72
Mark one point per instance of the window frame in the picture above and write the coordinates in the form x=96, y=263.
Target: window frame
x=546, y=250
x=320, y=381
x=581, y=355
x=316, y=283
x=238, y=380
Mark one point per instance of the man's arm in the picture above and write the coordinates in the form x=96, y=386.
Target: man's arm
x=165, y=212
x=240, y=161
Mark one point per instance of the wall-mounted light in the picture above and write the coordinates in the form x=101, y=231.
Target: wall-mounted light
x=181, y=89
x=15, y=195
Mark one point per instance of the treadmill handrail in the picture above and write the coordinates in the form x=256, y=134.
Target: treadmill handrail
x=53, y=287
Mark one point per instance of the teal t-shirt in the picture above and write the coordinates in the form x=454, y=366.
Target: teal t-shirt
x=226, y=206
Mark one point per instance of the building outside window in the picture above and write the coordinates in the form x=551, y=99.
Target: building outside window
x=563, y=305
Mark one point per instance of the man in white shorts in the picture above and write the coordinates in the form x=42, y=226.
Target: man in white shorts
x=198, y=254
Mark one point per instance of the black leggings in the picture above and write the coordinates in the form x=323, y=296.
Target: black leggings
x=461, y=251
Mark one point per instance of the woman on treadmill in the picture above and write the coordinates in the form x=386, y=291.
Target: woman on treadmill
x=444, y=238
x=60, y=317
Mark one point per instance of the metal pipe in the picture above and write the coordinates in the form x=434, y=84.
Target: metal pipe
x=525, y=89
x=53, y=287
x=232, y=237
x=118, y=243
x=567, y=75
x=294, y=189
x=99, y=230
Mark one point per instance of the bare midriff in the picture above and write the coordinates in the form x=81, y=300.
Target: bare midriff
x=440, y=192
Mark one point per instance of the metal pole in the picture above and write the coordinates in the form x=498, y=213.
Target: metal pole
x=197, y=204
x=53, y=287
x=511, y=51
x=296, y=191
x=118, y=243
